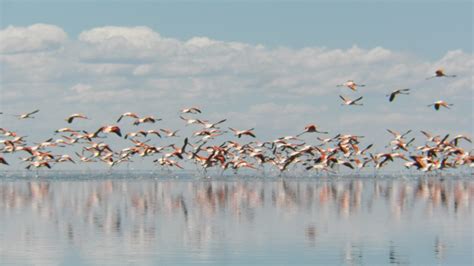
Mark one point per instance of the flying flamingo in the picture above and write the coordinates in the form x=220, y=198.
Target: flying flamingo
x=127, y=114
x=397, y=135
x=191, y=121
x=109, y=129
x=73, y=116
x=311, y=129
x=27, y=115
x=212, y=125
x=192, y=110
x=65, y=129
x=456, y=138
x=134, y=134
x=396, y=92
x=439, y=104
x=169, y=133
x=239, y=133
x=351, y=102
x=351, y=85
x=38, y=164
x=440, y=73
x=178, y=152
x=146, y=119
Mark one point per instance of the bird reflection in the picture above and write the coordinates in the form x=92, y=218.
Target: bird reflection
x=198, y=214
x=311, y=233
x=439, y=249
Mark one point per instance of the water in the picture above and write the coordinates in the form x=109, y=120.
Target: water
x=130, y=221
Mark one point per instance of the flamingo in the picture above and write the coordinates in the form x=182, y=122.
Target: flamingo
x=420, y=162
x=351, y=102
x=440, y=73
x=240, y=133
x=191, y=121
x=396, y=92
x=400, y=144
x=7, y=133
x=456, y=138
x=151, y=131
x=326, y=140
x=28, y=115
x=127, y=114
x=66, y=129
x=108, y=129
x=361, y=164
x=39, y=164
x=192, y=110
x=397, y=135
x=146, y=119
x=167, y=162
x=212, y=125
x=178, y=152
x=311, y=129
x=65, y=158
x=84, y=159
x=134, y=134
x=351, y=85
x=429, y=137
x=169, y=133
x=438, y=104
x=73, y=116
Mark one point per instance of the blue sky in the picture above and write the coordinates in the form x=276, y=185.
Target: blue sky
x=425, y=28
x=272, y=66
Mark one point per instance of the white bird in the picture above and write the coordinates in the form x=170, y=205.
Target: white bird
x=440, y=103
x=351, y=102
x=351, y=85
x=27, y=115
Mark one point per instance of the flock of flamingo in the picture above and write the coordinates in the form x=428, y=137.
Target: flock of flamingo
x=208, y=147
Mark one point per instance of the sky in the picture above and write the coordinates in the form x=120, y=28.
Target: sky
x=269, y=65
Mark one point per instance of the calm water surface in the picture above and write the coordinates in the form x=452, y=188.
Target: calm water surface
x=71, y=221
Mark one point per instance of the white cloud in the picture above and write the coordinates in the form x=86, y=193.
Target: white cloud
x=81, y=88
x=35, y=38
x=200, y=42
x=125, y=45
x=141, y=37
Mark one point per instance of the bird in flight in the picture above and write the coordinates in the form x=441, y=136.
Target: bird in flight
x=169, y=132
x=28, y=115
x=191, y=110
x=127, y=114
x=350, y=102
x=208, y=125
x=396, y=92
x=191, y=121
x=440, y=73
x=438, y=104
x=351, y=85
x=74, y=116
x=240, y=133
x=397, y=135
x=146, y=119
x=108, y=129
x=311, y=129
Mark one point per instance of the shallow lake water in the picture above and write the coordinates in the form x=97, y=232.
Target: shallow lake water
x=246, y=221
